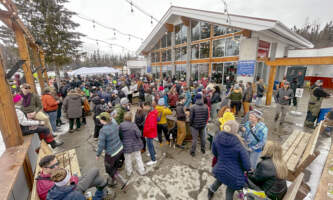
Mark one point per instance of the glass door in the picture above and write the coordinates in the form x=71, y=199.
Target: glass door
x=229, y=72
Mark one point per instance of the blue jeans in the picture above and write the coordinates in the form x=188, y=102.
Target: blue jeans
x=151, y=148
x=254, y=156
x=53, y=120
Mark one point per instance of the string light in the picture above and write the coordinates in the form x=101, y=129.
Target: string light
x=151, y=20
x=141, y=10
x=94, y=24
x=132, y=7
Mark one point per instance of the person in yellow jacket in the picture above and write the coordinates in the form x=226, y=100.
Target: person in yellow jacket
x=227, y=115
x=162, y=125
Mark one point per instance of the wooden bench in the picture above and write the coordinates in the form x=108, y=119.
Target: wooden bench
x=299, y=151
x=294, y=187
x=67, y=160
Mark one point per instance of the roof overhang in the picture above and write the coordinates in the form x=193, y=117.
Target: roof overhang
x=266, y=26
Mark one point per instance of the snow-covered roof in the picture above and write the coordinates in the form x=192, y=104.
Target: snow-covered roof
x=267, y=26
x=93, y=71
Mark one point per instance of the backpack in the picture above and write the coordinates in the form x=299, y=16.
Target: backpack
x=86, y=106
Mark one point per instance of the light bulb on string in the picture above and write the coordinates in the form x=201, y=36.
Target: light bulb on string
x=94, y=26
x=151, y=20
x=132, y=7
x=129, y=37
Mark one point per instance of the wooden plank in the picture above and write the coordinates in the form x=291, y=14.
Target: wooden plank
x=293, y=189
x=290, y=140
x=11, y=162
x=75, y=163
x=325, y=178
x=325, y=60
x=303, y=165
x=292, y=148
x=9, y=125
x=296, y=155
x=310, y=149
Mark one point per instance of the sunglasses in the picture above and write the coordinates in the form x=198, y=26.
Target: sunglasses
x=27, y=88
x=54, y=165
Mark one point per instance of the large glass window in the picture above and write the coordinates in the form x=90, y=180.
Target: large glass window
x=181, y=33
x=204, y=50
x=203, y=70
x=157, y=46
x=157, y=57
x=167, y=71
x=219, y=48
x=166, y=40
x=205, y=30
x=195, y=51
x=195, y=30
x=166, y=55
x=178, y=54
x=223, y=30
x=194, y=71
x=152, y=57
x=232, y=46
x=183, y=53
x=181, y=72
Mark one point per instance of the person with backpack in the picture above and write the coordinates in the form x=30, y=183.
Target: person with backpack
x=162, y=126
x=260, y=92
x=216, y=98
x=199, y=115
x=255, y=135
x=181, y=122
x=150, y=131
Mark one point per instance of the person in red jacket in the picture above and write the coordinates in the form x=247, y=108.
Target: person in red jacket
x=150, y=131
x=173, y=98
x=50, y=106
x=50, y=163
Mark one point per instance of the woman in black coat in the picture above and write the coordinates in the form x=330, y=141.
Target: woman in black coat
x=271, y=172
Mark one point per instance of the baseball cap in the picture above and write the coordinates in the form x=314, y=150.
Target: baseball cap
x=104, y=116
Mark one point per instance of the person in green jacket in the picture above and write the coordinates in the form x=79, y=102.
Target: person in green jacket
x=236, y=99
x=121, y=109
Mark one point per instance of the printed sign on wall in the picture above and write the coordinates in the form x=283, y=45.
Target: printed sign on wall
x=245, y=68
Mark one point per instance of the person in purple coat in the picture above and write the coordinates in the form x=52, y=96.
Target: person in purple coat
x=232, y=160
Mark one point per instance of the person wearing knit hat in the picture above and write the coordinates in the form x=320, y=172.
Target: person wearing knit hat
x=162, y=126
x=255, y=135
x=317, y=95
x=232, y=160
x=30, y=126
x=199, y=115
x=121, y=109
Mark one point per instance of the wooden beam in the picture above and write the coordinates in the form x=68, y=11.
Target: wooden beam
x=326, y=60
x=247, y=33
x=42, y=61
x=5, y=14
x=169, y=27
x=38, y=64
x=186, y=21
x=9, y=125
x=269, y=94
x=24, y=55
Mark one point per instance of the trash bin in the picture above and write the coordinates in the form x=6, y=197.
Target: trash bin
x=322, y=113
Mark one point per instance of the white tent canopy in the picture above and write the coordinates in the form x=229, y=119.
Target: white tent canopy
x=85, y=71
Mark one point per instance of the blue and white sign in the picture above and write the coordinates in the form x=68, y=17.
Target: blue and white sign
x=149, y=69
x=246, y=68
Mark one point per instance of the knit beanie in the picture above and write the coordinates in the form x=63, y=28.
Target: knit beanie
x=256, y=113
x=231, y=126
x=17, y=98
x=161, y=102
x=198, y=96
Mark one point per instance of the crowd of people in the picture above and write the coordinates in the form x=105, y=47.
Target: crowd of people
x=243, y=157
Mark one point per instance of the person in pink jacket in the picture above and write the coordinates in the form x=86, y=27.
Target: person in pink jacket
x=150, y=131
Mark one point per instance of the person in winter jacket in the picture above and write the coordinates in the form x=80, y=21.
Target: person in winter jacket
x=162, y=125
x=260, y=92
x=121, y=109
x=227, y=115
x=130, y=136
x=44, y=184
x=29, y=126
x=216, y=98
x=109, y=141
x=50, y=106
x=63, y=189
x=172, y=98
x=139, y=119
x=198, y=119
x=236, y=99
x=188, y=97
x=232, y=160
x=32, y=106
x=98, y=109
x=73, y=109
x=255, y=135
x=283, y=97
x=247, y=97
x=181, y=122
x=150, y=131
x=149, y=96
x=271, y=172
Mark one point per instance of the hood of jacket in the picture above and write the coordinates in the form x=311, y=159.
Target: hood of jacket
x=74, y=96
x=227, y=139
x=96, y=100
x=58, y=193
x=236, y=91
x=126, y=126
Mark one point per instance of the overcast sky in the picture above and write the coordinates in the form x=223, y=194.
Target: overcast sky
x=117, y=14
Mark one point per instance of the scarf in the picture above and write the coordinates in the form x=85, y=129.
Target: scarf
x=26, y=99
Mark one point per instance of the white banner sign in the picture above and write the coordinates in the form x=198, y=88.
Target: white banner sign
x=299, y=92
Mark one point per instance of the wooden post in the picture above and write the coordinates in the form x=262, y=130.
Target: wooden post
x=9, y=125
x=24, y=54
x=42, y=61
x=37, y=64
x=269, y=93
x=210, y=51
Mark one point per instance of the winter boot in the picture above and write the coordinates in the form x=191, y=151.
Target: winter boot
x=210, y=194
x=55, y=144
